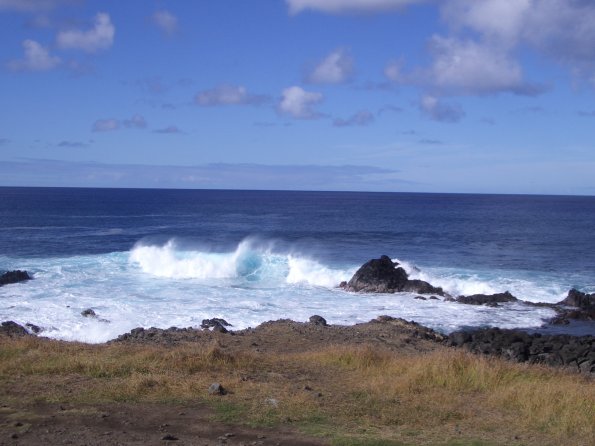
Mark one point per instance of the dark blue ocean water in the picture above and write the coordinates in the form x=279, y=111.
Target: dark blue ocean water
x=538, y=246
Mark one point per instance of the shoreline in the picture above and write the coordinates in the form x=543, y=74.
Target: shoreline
x=567, y=351
x=387, y=381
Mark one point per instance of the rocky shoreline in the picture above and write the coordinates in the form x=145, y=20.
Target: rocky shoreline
x=576, y=353
x=385, y=276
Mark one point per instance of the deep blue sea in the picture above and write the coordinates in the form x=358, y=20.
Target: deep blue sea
x=142, y=257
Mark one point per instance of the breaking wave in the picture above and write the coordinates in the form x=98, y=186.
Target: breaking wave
x=249, y=262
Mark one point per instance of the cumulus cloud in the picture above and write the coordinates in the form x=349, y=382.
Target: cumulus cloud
x=227, y=95
x=298, y=103
x=100, y=37
x=361, y=118
x=348, y=6
x=560, y=29
x=501, y=20
x=468, y=67
x=36, y=58
x=165, y=21
x=335, y=68
x=106, y=125
x=437, y=110
x=136, y=122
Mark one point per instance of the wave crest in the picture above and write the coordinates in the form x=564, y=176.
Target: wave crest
x=249, y=262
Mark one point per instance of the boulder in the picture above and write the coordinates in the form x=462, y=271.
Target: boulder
x=216, y=389
x=318, y=320
x=215, y=324
x=486, y=299
x=12, y=329
x=35, y=329
x=88, y=313
x=385, y=276
x=14, y=277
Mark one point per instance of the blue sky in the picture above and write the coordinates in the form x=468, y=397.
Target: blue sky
x=486, y=96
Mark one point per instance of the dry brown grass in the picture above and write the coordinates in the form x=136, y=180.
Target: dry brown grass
x=365, y=393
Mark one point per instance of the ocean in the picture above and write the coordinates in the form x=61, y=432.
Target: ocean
x=162, y=258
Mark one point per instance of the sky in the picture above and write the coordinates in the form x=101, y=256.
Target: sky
x=466, y=96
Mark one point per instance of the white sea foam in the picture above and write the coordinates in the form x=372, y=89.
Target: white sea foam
x=249, y=262
x=170, y=285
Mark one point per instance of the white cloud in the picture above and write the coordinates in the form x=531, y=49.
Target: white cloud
x=437, y=110
x=227, y=95
x=36, y=58
x=136, y=122
x=360, y=119
x=298, y=103
x=106, y=125
x=348, y=6
x=335, y=68
x=499, y=19
x=560, y=29
x=100, y=37
x=393, y=71
x=465, y=66
x=165, y=21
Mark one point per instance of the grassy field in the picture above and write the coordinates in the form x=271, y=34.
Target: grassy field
x=347, y=394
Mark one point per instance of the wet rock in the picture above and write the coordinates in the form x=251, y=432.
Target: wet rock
x=208, y=323
x=486, y=299
x=317, y=320
x=12, y=329
x=580, y=300
x=33, y=328
x=88, y=313
x=385, y=276
x=216, y=324
x=14, y=277
x=583, y=308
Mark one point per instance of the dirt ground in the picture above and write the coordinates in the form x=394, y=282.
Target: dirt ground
x=131, y=424
x=171, y=424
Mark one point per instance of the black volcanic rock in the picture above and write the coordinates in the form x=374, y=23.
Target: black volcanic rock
x=584, y=308
x=318, y=320
x=385, y=276
x=486, y=299
x=215, y=324
x=573, y=352
x=12, y=329
x=14, y=277
x=580, y=300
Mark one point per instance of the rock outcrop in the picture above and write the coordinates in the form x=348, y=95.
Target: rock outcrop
x=583, y=308
x=14, y=277
x=12, y=329
x=486, y=299
x=574, y=352
x=385, y=276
